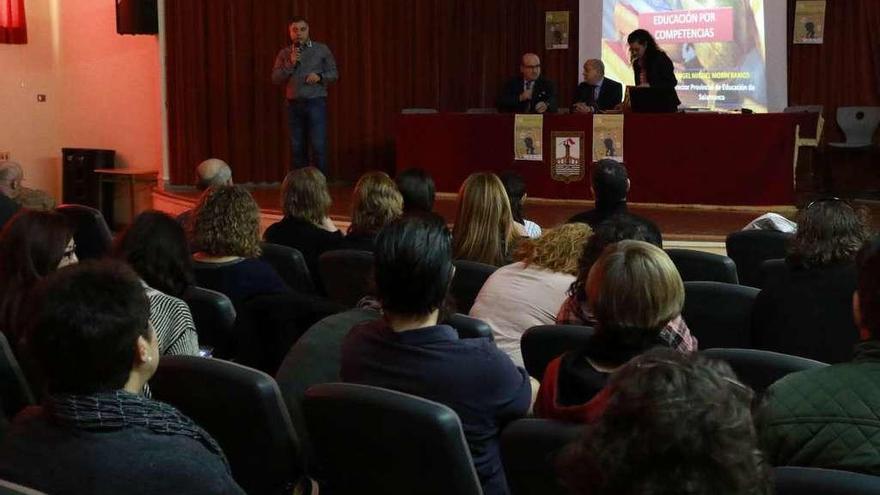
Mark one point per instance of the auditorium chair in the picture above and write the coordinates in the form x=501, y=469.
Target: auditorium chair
x=373, y=440
x=15, y=391
x=243, y=410
x=858, y=125
x=543, y=343
x=10, y=488
x=290, y=265
x=771, y=269
x=90, y=231
x=466, y=283
x=749, y=248
x=529, y=448
x=347, y=275
x=719, y=314
x=792, y=480
x=468, y=327
x=702, y=266
x=759, y=369
x=214, y=317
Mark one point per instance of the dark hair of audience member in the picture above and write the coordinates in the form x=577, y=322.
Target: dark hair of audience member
x=227, y=223
x=515, y=187
x=675, y=424
x=85, y=334
x=417, y=188
x=619, y=227
x=304, y=194
x=868, y=287
x=375, y=202
x=829, y=231
x=610, y=182
x=32, y=245
x=155, y=246
x=413, y=264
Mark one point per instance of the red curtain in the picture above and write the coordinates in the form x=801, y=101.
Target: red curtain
x=13, y=28
x=845, y=69
x=392, y=54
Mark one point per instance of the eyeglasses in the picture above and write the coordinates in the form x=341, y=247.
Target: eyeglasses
x=532, y=66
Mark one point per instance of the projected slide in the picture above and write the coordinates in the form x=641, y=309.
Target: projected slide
x=717, y=47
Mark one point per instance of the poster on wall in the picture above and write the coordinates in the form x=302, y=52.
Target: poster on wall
x=809, y=22
x=556, y=30
x=528, y=133
x=608, y=137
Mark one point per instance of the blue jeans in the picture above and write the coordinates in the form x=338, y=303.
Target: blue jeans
x=307, y=123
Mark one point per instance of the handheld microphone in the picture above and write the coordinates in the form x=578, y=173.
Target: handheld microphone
x=298, y=47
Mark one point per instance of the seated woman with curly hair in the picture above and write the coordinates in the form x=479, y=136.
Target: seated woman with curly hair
x=528, y=292
x=675, y=424
x=375, y=202
x=805, y=305
x=226, y=229
x=633, y=290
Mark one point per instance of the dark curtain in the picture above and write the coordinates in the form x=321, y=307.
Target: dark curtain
x=13, y=28
x=392, y=54
x=845, y=70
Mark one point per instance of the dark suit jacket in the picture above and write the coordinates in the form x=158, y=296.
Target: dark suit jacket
x=542, y=90
x=8, y=208
x=660, y=75
x=610, y=95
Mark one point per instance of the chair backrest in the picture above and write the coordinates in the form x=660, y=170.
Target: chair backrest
x=469, y=327
x=243, y=410
x=771, y=269
x=719, y=314
x=699, y=265
x=373, y=440
x=482, y=110
x=290, y=265
x=760, y=369
x=858, y=124
x=529, y=448
x=9, y=488
x=467, y=282
x=15, y=392
x=749, y=248
x=418, y=110
x=792, y=480
x=543, y=343
x=214, y=317
x=347, y=275
x=90, y=231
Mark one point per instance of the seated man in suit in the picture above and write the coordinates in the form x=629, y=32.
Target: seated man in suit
x=408, y=350
x=11, y=179
x=529, y=93
x=828, y=417
x=596, y=93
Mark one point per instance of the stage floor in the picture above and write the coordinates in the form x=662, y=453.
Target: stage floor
x=677, y=222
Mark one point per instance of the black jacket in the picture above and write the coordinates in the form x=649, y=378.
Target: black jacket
x=543, y=90
x=610, y=95
x=660, y=74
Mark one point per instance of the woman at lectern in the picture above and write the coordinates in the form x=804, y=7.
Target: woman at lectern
x=653, y=69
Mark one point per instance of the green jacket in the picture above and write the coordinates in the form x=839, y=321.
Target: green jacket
x=827, y=417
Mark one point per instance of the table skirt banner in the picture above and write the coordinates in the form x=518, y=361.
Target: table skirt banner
x=711, y=159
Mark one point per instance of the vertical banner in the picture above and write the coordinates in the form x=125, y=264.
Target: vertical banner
x=607, y=137
x=809, y=22
x=556, y=29
x=528, y=134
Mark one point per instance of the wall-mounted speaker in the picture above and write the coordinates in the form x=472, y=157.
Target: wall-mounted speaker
x=137, y=17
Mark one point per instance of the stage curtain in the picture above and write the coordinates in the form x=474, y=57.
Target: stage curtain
x=845, y=69
x=392, y=54
x=13, y=28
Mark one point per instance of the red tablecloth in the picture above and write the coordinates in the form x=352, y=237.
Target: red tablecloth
x=713, y=159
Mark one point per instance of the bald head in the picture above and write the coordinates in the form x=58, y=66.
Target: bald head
x=11, y=175
x=213, y=172
x=530, y=67
x=594, y=71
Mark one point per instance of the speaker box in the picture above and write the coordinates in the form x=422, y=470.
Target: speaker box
x=137, y=17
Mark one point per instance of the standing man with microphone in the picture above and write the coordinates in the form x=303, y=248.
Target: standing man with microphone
x=305, y=68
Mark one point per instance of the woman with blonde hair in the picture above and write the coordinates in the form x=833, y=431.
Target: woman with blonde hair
x=528, y=292
x=633, y=291
x=484, y=228
x=226, y=229
x=306, y=225
x=375, y=202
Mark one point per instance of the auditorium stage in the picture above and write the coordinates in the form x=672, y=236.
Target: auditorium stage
x=680, y=223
